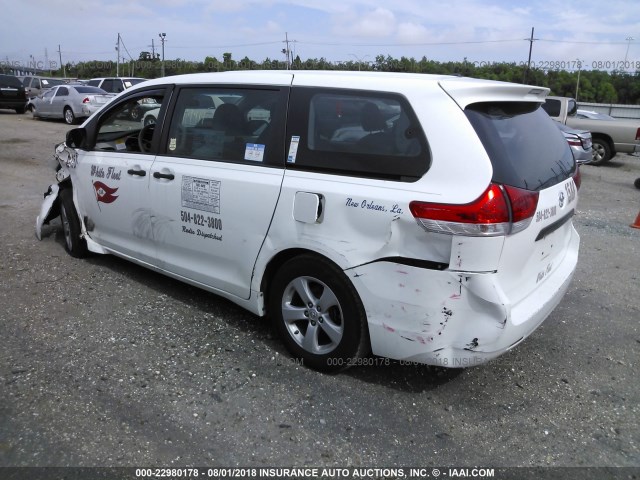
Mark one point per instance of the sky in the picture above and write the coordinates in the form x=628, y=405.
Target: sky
x=569, y=34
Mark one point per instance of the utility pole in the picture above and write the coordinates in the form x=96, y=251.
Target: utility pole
x=526, y=72
x=64, y=70
x=118, y=57
x=153, y=50
x=287, y=51
x=578, y=82
x=162, y=39
x=629, y=40
x=46, y=61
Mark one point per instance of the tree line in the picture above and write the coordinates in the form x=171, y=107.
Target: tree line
x=594, y=85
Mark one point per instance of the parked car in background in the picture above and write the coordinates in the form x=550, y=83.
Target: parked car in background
x=441, y=233
x=12, y=94
x=114, y=84
x=609, y=137
x=34, y=86
x=580, y=143
x=139, y=111
x=69, y=102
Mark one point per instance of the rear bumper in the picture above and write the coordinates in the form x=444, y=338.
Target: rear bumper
x=453, y=319
x=13, y=104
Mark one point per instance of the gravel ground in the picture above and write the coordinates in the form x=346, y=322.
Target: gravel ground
x=103, y=363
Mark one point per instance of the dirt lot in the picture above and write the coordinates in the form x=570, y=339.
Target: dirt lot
x=103, y=363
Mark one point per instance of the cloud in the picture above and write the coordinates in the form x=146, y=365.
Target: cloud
x=410, y=32
x=373, y=24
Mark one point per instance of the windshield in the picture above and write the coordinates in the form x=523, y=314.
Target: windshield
x=51, y=82
x=526, y=149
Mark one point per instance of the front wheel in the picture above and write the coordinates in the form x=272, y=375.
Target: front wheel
x=73, y=242
x=318, y=314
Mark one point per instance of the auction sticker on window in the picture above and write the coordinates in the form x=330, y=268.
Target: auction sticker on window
x=201, y=194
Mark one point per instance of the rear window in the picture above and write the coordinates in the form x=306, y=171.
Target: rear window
x=90, y=90
x=10, y=81
x=525, y=147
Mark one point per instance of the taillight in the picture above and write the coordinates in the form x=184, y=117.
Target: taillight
x=500, y=210
x=577, y=179
x=523, y=207
x=574, y=143
x=638, y=134
x=86, y=100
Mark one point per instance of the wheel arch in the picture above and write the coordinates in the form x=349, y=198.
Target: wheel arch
x=607, y=138
x=279, y=259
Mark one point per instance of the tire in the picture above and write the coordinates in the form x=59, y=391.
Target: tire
x=69, y=117
x=136, y=113
x=149, y=120
x=318, y=314
x=20, y=110
x=75, y=245
x=601, y=151
x=637, y=183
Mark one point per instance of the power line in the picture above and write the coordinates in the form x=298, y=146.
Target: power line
x=397, y=44
x=548, y=40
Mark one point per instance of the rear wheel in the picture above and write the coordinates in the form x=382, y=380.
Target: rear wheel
x=318, y=313
x=73, y=243
x=20, y=110
x=69, y=117
x=601, y=151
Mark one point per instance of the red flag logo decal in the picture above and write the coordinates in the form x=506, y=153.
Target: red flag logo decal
x=104, y=193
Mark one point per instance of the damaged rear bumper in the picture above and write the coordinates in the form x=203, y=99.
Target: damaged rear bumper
x=451, y=319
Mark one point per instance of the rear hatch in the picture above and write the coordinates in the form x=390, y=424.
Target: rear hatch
x=11, y=90
x=529, y=154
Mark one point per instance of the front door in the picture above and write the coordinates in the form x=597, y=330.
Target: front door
x=111, y=182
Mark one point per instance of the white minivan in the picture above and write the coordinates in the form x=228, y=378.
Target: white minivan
x=421, y=218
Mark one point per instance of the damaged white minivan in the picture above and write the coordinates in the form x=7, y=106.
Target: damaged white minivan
x=420, y=218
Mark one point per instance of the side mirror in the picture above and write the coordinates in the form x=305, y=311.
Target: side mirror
x=572, y=107
x=76, y=137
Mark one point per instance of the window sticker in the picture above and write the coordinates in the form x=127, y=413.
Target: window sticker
x=254, y=152
x=173, y=143
x=120, y=145
x=201, y=194
x=293, y=149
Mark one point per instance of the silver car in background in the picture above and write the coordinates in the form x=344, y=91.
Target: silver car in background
x=69, y=102
x=580, y=143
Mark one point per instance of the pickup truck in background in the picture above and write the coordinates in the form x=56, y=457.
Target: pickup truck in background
x=609, y=137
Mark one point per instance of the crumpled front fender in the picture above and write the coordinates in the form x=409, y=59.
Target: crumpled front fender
x=49, y=209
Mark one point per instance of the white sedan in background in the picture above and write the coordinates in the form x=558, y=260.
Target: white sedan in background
x=69, y=102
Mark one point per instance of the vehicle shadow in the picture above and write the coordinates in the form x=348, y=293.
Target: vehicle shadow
x=400, y=376
x=610, y=164
x=409, y=378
